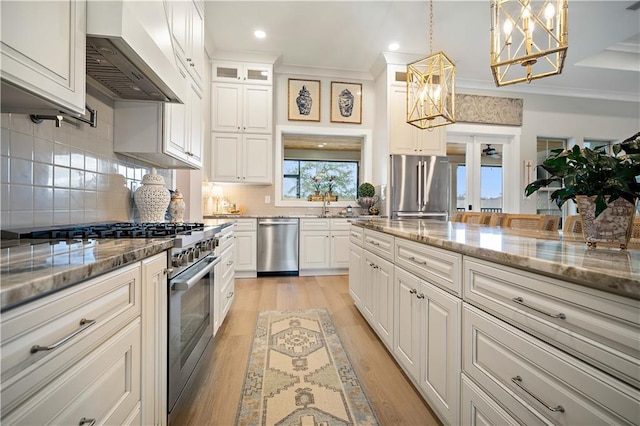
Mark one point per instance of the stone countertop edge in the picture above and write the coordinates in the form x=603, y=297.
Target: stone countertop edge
x=23, y=287
x=283, y=216
x=623, y=284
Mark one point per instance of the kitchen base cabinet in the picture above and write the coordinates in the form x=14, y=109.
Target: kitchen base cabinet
x=378, y=284
x=224, y=279
x=245, y=233
x=355, y=274
x=155, y=300
x=427, y=341
x=324, y=246
x=537, y=383
x=103, y=387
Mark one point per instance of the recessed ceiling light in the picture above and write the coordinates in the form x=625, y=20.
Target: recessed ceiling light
x=259, y=34
x=394, y=46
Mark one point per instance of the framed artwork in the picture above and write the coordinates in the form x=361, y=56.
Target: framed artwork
x=346, y=102
x=304, y=100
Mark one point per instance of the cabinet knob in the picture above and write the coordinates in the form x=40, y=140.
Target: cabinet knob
x=188, y=59
x=413, y=291
x=420, y=296
x=86, y=421
x=192, y=64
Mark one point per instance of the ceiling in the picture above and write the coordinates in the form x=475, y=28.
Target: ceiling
x=603, y=59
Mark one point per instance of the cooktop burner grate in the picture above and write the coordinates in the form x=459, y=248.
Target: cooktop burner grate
x=116, y=230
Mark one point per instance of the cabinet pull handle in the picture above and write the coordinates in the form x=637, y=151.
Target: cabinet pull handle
x=413, y=259
x=375, y=243
x=518, y=382
x=84, y=324
x=420, y=296
x=520, y=301
x=168, y=271
x=229, y=263
x=413, y=291
x=84, y=421
x=230, y=295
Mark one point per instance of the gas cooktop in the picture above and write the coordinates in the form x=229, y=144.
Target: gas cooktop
x=107, y=230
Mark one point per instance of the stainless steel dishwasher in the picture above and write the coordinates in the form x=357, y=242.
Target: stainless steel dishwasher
x=278, y=246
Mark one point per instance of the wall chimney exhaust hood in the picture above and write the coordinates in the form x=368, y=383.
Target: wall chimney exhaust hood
x=129, y=51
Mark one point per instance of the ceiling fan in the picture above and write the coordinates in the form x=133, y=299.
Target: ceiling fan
x=490, y=152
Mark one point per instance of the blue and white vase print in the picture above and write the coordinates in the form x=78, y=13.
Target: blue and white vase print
x=345, y=103
x=304, y=101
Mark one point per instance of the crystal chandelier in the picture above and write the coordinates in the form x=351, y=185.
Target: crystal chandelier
x=528, y=39
x=431, y=88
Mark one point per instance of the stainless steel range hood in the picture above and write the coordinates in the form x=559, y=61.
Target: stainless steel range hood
x=129, y=52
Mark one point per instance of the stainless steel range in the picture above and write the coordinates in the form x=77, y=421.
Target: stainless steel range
x=190, y=285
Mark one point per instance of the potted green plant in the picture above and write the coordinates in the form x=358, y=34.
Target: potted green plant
x=606, y=187
x=366, y=197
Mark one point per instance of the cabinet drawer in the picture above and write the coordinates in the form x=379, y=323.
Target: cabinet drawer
x=240, y=225
x=380, y=243
x=111, y=301
x=315, y=224
x=227, y=267
x=477, y=408
x=225, y=239
x=531, y=378
x=356, y=235
x=340, y=225
x=104, y=385
x=439, y=267
x=600, y=328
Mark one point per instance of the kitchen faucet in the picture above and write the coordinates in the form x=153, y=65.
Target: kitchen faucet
x=325, y=203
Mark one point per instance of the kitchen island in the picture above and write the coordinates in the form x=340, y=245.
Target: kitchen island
x=553, y=254
x=500, y=326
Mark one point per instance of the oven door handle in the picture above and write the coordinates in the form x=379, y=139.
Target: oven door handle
x=185, y=284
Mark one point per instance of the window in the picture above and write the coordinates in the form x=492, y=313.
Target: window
x=596, y=144
x=298, y=178
x=544, y=205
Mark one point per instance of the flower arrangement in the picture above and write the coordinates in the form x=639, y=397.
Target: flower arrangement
x=318, y=182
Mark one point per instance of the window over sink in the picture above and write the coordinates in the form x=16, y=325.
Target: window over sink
x=344, y=155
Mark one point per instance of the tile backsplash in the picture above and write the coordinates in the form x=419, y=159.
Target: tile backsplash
x=66, y=175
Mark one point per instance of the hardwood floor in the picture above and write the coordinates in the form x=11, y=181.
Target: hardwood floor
x=216, y=394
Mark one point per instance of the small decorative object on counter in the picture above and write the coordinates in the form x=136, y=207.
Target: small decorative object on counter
x=176, y=207
x=152, y=198
x=366, y=197
x=349, y=209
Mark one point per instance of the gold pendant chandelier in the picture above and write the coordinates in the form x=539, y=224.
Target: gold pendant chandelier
x=431, y=88
x=528, y=39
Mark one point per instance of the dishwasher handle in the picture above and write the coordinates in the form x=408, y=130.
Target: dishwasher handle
x=273, y=222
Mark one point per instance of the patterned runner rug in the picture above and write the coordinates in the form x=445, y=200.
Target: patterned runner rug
x=299, y=374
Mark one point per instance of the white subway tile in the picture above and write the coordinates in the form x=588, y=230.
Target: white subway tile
x=20, y=171
x=42, y=174
x=42, y=199
x=61, y=155
x=21, y=198
x=43, y=150
x=60, y=199
x=61, y=177
x=21, y=218
x=21, y=146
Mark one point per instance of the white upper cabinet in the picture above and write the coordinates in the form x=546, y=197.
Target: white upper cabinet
x=237, y=72
x=187, y=29
x=43, y=56
x=241, y=158
x=240, y=108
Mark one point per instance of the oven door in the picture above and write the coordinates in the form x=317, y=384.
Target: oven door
x=190, y=322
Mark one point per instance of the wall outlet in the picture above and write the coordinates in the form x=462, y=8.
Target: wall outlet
x=267, y=199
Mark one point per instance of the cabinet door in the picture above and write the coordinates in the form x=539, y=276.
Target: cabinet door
x=154, y=340
x=440, y=366
x=406, y=347
x=314, y=250
x=432, y=141
x=258, y=74
x=245, y=251
x=226, y=112
x=180, y=17
x=43, y=50
x=355, y=273
x=224, y=157
x=195, y=58
x=383, y=286
x=339, y=249
x=402, y=136
x=196, y=125
x=257, y=109
x=175, y=125
x=256, y=159
x=368, y=288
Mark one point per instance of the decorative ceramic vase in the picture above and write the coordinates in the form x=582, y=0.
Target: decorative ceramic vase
x=304, y=101
x=152, y=198
x=366, y=203
x=345, y=103
x=176, y=207
x=612, y=227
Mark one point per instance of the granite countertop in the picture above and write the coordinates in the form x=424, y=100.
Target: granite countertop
x=548, y=253
x=272, y=216
x=34, y=268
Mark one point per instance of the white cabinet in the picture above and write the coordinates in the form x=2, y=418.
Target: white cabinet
x=407, y=139
x=165, y=135
x=224, y=279
x=43, y=56
x=427, y=341
x=154, y=340
x=242, y=72
x=241, y=158
x=241, y=108
x=355, y=274
x=477, y=408
x=246, y=247
x=324, y=246
x=187, y=29
x=378, y=291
